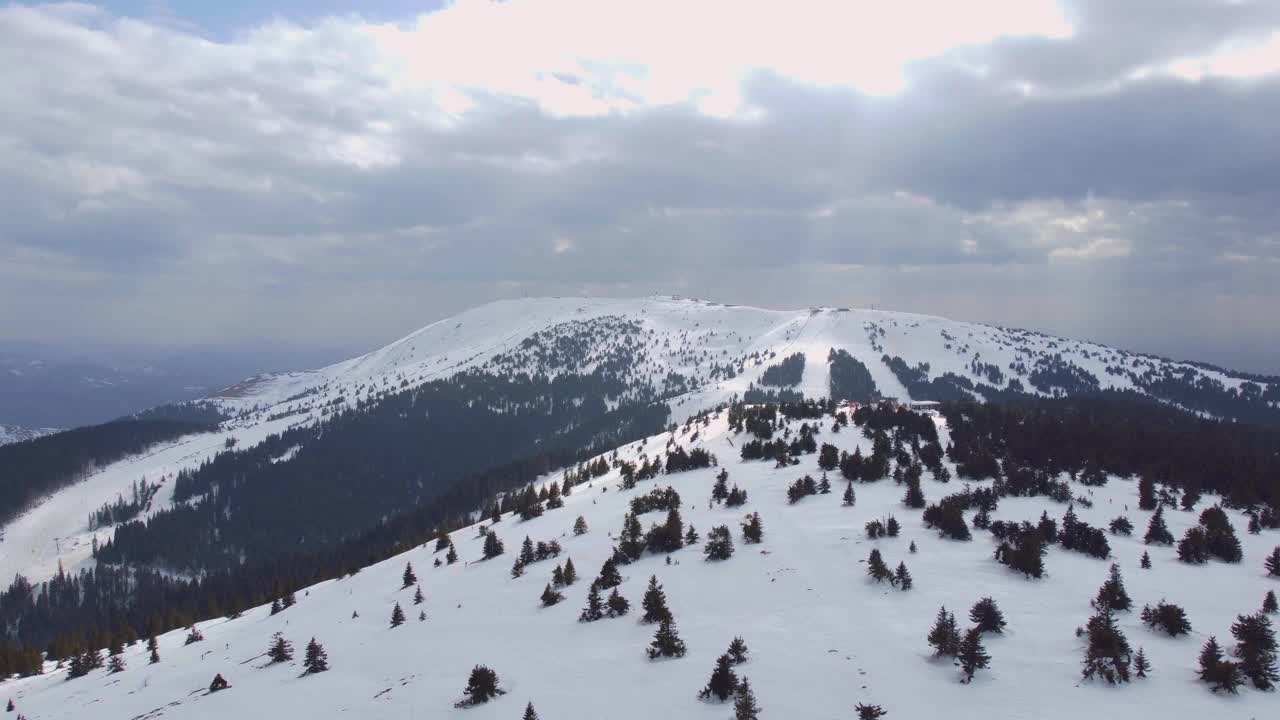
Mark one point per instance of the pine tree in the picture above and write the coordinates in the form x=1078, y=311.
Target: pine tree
x=618, y=605
x=451, y=557
x=738, y=650
x=422, y=615
x=912, y=548
x=570, y=572
x=1269, y=603
x=1108, y=653
x=193, y=636
x=275, y=607
x=849, y=497
x=1112, y=593
x=492, y=546
x=1210, y=656
x=972, y=655
x=530, y=713
x=654, y=603
x=1256, y=648
x=417, y=596
x=1121, y=526
x=408, y=578
x=557, y=577
x=526, y=552
x=397, y=616
x=745, y=706
x=1167, y=617
x=869, y=712
x=720, y=491
x=723, y=680
x=517, y=568
x=901, y=577
x=115, y=664
x=316, y=660
x=1141, y=666
x=482, y=686
x=944, y=636
x=631, y=542
x=1272, y=563
x=719, y=545
x=752, y=530
x=1222, y=674
x=987, y=616
x=1157, y=531
x=891, y=526
x=609, y=576
x=876, y=567
x=595, y=608
x=666, y=641
x=580, y=526
x=1193, y=548
x=551, y=597
x=10, y=706
x=280, y=650
x=154, y=647
x=1145, y=562
x=691, y=536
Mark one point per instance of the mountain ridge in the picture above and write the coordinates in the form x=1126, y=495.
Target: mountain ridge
x=687, y=354
x=944, y=344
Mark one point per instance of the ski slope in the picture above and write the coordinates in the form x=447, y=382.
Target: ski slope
x=822, y=635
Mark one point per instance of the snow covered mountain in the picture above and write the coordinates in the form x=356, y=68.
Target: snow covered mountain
x=700, y=354
x=822, y=635
x=17, y=433
x=687, y=354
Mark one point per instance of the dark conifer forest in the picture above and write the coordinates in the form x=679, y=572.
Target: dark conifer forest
x=35, y=468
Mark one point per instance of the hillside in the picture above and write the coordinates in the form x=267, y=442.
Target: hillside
x=546, y=378
x=822, y=635
x=700, y=354
x=17, y=433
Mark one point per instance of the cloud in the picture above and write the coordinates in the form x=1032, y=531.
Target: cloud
x=1099, y=248
x=363, y=178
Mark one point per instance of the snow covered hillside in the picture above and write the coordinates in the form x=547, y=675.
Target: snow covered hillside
x=822, y=635
x=689, y=354
x=701, y=341
x=17, y=433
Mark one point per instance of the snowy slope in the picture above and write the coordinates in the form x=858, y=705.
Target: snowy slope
x=17, y=433
x=686, y=337
x=823, y=637
x=690, y=337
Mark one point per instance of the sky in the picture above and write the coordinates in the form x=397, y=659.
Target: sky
x=326, y=175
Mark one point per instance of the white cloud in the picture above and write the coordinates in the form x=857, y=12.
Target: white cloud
x=1250, y=59
x=1095, y=249
x=623, y=55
